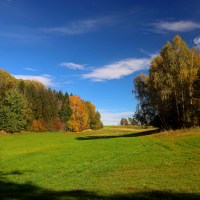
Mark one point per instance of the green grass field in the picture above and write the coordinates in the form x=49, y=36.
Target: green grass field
x=112, y=163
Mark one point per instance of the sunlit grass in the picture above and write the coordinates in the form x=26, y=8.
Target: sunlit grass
x=108, y=162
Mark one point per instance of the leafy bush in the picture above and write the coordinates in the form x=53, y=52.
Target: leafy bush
x=14, y=112
x=39, y=125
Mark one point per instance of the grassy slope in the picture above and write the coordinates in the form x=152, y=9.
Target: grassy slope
x=107, y=164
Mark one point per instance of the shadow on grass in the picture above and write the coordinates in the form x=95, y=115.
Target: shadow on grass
x=138, y=134
x=10, y=190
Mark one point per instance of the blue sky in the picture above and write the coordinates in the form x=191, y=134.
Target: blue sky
x=92, y=48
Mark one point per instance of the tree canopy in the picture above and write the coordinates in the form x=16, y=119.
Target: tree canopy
x=168, y=96
x=14, y=112
x=29, y=105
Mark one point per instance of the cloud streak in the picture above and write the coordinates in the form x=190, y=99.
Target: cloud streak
x=45, y=79
x=80, y=27
x=178, y=26
x=22, y=34
x=30, y=69
x=72, y=65
x=118, y=69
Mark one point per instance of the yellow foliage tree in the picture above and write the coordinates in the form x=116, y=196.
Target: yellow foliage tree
x=7, y=82
x=90, y=111
x=167, y=95
x=78, y=119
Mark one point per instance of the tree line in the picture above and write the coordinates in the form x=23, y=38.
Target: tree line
x=129, y=121
x=27, y=105
x=169, y=97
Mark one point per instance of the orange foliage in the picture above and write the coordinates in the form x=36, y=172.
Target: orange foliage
x=39, y=125
x=78, y=119
x=57, y=123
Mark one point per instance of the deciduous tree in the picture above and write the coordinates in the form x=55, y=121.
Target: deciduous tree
x=124, y=122
x=166, y=95
x=78, y=119
x=14, y=112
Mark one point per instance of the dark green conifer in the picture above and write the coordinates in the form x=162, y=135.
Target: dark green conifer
x=66, y=96
x=34, y=101
x=65, y=112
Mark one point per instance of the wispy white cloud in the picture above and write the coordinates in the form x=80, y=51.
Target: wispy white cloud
x=197, y=42
x=72, y=65
x=30, y=69
x=46, y=80
x=178, y=26
x=80, y=27
x=109, y=118
x=22, y=34
x=149, y=54
x=118, y=69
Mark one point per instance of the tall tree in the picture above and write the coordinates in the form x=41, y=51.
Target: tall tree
x=98, y=123
x=167, y=93
x=7, y=82
x=14, y=112
x=130, y=119
x=123, y=122
x=60, y=100
x=46, y=104
x=65, y=112
x=78, y=119
x=34, y=101
x=66, y=96
x=22, y=86
x=90, y=110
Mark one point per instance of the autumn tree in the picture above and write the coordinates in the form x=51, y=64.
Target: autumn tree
x=166, y=95
x=78, y=119
x=90, y=111
x=57, y=124
x=123, y=122
x=7, y=82
x=22, y=86
x=130, y=120
x=39, y=125
x=38, y=108
x=196, y=86
x=196, y=97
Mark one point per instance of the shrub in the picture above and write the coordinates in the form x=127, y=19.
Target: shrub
x=39, y=125
x=58, y=124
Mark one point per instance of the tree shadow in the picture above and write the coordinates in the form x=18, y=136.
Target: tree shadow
x=138, y=134
x=16, y=172
x=28, y=191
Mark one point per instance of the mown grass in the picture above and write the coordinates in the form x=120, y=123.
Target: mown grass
x=112, y=163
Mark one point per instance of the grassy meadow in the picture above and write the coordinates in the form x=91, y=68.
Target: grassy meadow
x=112, y=163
